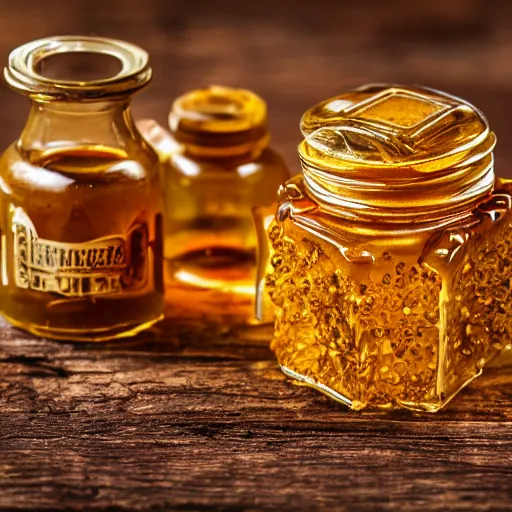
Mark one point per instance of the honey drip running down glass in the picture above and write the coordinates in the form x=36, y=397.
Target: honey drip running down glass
x=80, y=198
x=390, y=259
x=218, y=166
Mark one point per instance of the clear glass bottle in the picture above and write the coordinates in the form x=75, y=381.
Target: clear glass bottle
x=390, y=257
x=80, y=198
x=218, y=167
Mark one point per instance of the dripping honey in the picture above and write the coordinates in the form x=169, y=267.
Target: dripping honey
x=391, y=258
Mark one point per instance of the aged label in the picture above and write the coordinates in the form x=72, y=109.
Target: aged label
x=102, y=266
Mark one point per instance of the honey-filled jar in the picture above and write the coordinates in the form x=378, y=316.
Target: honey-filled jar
x=80, y=198
x=217, y=166
x=390, y=256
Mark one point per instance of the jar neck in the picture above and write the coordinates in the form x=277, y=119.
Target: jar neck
x=220, y=122
x=361, y=194
x=54, y=125
x=206, y=145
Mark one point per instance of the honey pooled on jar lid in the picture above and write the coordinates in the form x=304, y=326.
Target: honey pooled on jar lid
x=425, y=147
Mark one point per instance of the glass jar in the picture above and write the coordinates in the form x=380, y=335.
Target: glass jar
x=390, y=257
x=218, y=167
x=80, y=198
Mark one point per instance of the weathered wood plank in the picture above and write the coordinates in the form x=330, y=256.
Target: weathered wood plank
x=198, y=423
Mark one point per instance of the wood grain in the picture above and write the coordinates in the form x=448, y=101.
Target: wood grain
x=203, y=420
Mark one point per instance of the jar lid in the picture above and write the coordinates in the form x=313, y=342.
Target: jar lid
x=393, y=126
x=397, y=153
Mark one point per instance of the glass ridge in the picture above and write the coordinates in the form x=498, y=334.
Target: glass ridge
x=22, y=76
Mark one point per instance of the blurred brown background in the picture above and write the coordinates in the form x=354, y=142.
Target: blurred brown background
x=293, y=53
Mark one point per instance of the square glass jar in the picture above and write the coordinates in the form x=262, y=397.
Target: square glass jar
x=390, y=257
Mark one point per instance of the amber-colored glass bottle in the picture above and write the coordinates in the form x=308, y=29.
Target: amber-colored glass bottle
x=80, y=199
x=391, y=257
x=218, y=167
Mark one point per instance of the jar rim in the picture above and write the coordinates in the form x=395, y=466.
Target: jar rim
x=218, y=109
x=219, y=121
x=397, y=152
x=22, y=76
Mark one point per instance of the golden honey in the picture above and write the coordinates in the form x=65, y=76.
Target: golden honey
x=218, y=166
x=390, y=257
x=80, y=199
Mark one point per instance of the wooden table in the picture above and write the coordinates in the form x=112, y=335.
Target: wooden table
x=206, y=421
x=186, y=421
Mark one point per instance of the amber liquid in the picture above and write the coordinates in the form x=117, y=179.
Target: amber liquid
x=214, y=267
x=75, y=196
x=210, y=236
x=214, y=283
